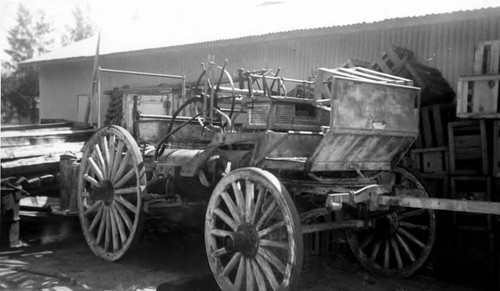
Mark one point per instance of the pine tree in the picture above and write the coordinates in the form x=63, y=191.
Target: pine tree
x=82, y=27
x=30, y=37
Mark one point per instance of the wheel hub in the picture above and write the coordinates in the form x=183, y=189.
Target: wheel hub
x=389, y=225
x=245, y=240
x=105, y=192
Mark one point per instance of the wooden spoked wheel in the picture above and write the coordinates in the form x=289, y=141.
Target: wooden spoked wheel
x=252, y=233
x=401, y=238
x=111, y=182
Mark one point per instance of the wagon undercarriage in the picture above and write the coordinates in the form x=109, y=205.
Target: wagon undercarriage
x=271, y=169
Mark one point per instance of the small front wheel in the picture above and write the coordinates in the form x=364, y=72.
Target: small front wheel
x=252, y=233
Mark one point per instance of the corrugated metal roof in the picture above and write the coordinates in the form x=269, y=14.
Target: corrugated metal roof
x=119, y=44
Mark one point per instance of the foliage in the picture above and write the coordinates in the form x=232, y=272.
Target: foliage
x=82, y=27
x=31, y=36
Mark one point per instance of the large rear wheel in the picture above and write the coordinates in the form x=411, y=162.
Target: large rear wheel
x=401, y=239
x=111, y=182
x=252, y=233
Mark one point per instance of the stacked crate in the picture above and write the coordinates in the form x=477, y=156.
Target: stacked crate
x=474, y=151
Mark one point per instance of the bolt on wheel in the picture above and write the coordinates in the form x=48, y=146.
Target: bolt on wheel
x=252, y=233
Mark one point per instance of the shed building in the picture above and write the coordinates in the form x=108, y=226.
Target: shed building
x=443, y=41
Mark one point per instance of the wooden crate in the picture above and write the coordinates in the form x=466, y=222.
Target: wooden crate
x=430, y=160
x=487, y=58
x=478, y=96
x=432, y=127
x=468, y=147
x=474, y=188
x=401, y=62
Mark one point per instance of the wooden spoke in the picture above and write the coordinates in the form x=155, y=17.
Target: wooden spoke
x=117, y=160
x=261, y=284
x=367, y=241
x=375, y=250
x=258, y=204
x=239, y=197
x=122, y=167
x=220, y=232
x=102, y=225
x=249, y=195
x=411, y=237
x=232, y=207
x=413, y=226
x=124, y=216
x=126, y=177
x=228, y=220
x=274, y=244
x=96, y=169
x=93, y=208
x=232, y=264
x=250, y=275
x=91, y=180
x=405, y=246
x=126, y=203
x=131, y=190
x=112, y=156
x=272, y=228
x=105, y=149
x=396, y=253
x=107, y=230
x=386, y=255
x=114, y=230
x=239, y=274
x=100, y=159
x=96, y=219
x=270, y=257
x=219, y=252
x=412, y=213
x=119, y=224
x=269, y=211
x=268, y=272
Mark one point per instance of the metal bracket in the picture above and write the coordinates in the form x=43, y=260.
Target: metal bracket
x=368, y=194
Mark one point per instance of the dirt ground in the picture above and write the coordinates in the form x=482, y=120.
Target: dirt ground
x=59, y=259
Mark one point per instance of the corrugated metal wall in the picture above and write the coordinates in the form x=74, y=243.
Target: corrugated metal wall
x=447, y=46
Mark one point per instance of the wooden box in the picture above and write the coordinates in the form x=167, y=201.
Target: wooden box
x=478, y=96
x=468, y=147
x=430, y=160
x=487, y=58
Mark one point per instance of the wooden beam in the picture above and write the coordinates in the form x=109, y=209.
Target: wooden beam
x=310, y=228
x=480, y=207
x=39, y=150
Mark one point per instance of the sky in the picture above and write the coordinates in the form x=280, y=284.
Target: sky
x=187, y=21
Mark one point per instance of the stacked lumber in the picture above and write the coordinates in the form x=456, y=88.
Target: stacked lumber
x=30, y=154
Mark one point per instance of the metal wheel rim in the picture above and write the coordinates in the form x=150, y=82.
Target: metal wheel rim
x=109, y=202
x=277, y=261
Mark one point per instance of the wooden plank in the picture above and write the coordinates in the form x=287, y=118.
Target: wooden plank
x=426, y=126
x=451, y=144
x=36, y=126
x=468, y=141
x=496, y=148
x=36, y=133
x=38, y=150
x=441, y=204
x=438, y=125
x=478, y=58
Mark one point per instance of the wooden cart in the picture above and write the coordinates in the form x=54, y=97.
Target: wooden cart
x=265, y=168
